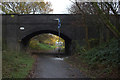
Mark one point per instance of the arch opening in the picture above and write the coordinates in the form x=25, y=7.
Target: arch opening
x=26, y=40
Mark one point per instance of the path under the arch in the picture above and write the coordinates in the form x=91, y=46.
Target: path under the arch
x=49, y=66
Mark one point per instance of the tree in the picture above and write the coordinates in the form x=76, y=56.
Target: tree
x=104, y=17
x=48, y=38
x=79, y=8
x=102, y=10
x=115, y=29
x=26, y=7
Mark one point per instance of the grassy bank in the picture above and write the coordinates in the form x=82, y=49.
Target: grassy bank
x=43, y=46
x=99, y=62
x=40, y=46
x=16, y=65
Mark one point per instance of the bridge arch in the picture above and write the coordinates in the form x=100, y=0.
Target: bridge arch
x=25, y=40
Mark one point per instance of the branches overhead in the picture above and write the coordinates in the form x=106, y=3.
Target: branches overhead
x=88, y=8
x=102, y=9
x=26, y=7
x=109, y=25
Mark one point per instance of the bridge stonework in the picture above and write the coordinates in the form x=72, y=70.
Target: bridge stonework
x=72, y=28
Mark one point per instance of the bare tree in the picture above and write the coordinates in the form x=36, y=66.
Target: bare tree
x=102, y=10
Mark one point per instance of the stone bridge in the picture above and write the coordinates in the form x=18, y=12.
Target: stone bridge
x=71, y=28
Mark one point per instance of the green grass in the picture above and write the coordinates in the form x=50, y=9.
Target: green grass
x=43, y=46
x=36, y=45
x=16, y=65
x=53, y=47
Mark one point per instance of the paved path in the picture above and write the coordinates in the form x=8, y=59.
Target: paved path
x=53, y=67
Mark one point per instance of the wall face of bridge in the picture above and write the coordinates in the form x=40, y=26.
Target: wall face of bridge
x=71, y=27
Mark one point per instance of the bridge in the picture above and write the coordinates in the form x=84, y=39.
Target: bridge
x=72, y=28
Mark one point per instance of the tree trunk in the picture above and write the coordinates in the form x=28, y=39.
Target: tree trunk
x=87, y=40
x=101, y=35
x=107, y=35
x=86, y=33
x=107, y=22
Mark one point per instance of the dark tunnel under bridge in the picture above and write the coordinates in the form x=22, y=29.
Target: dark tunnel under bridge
x=25, y=41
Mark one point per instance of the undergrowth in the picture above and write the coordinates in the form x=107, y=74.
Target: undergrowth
x=101, y=61
x=35, y=45
x=106, y=53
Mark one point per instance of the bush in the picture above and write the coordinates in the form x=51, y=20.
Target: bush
x=100, y=62
x=93, y=42
x=77, y=49
x=107, y=53
x=34, y=44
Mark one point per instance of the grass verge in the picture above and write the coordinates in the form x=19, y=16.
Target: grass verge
x=43, y=46
x=16, y=64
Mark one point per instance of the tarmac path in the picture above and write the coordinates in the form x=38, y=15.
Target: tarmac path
x=49, y=66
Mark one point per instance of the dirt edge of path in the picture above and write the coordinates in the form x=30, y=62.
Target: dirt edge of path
x=31, y=72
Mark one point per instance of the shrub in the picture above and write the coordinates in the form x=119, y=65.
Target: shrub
x=77, y=49
x=107, y=53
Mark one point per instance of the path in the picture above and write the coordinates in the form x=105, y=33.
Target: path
x=53, y=67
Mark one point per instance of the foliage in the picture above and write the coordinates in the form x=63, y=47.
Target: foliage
x=89, y=8
x=107, y=53
x=101, y=61
x=104, y=17
x=48, y=39
x=26, y=7
x=82, y=8
x=45, y=42
x=76, y=48
x=35, y=45
x=104, y=56
x=45, y=46
x=93, y=42
x=101, y=9
x=16, y=64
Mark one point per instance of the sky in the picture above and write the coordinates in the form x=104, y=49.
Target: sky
x=60, y=6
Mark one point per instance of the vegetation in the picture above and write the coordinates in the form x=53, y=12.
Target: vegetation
x=26, y=7
x=99, y=57
x=48, y=38
x=16, y=64
x=104, y=17
x=45, y=42
x=103, y=10
x=99, y=62
x=35, y=45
